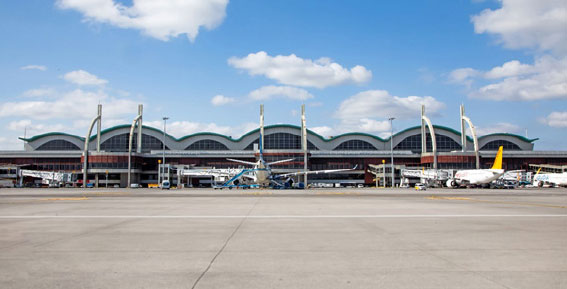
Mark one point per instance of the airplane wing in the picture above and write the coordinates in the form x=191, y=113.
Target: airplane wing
x=315, y=172
x=210, y=172
x=280, y=161
x=242, y=162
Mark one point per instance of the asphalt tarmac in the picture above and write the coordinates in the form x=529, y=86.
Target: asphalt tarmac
x=320, y=238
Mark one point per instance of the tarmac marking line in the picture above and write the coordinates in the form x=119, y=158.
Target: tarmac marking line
x=106, y=193
x=337, y=193
x=448, y=198
x=256, y=193
x=66, y=199
x=279, y=216
x=495, y=202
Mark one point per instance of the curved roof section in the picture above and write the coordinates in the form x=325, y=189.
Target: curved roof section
x=36, y=137
x=107, y=130
x=509, y=134
x=104, y=131
x=435, y=127
x=281, y=126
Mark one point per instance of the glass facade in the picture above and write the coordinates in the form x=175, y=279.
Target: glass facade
x=119, y=143
x=413, y=143
x=281, y=141
x=444, y=143
x=58, y=145
x=206, y=145
x=495, y=144
x=355, y=144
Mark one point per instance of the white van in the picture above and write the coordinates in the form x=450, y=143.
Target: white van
x=165, y=185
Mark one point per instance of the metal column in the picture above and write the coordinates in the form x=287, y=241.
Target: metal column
x=304, y=144
x=463, y=132
x=98, y=119
x=261, y=140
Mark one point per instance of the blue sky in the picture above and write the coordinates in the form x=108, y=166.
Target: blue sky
x=209, y=64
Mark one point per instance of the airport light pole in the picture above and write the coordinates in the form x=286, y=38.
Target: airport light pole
x=392, y=148
x=162, y=169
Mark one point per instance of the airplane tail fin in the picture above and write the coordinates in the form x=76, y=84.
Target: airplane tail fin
x=261, y=151
x=498, y=160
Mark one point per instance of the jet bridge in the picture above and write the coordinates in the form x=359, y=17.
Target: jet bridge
x=51, y=178
x=431, y=177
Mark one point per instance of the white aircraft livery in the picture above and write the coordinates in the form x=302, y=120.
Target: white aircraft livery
x=260, y=174
x=480, y=176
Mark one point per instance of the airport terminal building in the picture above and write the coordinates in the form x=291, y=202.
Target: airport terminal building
x=63, y=152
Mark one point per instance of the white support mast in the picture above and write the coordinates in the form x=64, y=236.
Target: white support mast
x=97, y=119
x=261, y=146
x=137, y=120
x=465, y=119
x=426, y=121
x=304, y=144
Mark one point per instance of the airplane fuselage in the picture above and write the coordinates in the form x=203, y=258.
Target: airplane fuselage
x=477, y=177
x=262, y=175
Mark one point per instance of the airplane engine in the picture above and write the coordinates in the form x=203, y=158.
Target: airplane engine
x=540, y=184
x=451, y=183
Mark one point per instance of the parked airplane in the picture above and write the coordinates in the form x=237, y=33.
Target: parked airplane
x=260, y=175
x=479, y=176
x=553, y=179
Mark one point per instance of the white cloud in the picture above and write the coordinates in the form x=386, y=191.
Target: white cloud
x=82, y=77
x=183, y=128
x=65, y=111
x=324, y=131
x=34, y=67
x=293, y=70
x=159, y=19
x=545, y=79
x=218, y=100
x=508, y=69
x=463, y=75
x=39, y=92
x=366, y=125
x=556, y=119
x=368, y=112
x=501, y=127
x=527, y=24
x=76, y=104
x=11, y=143
x=520, y=24
x=380, y=104
x=271, y=91
x=34, y=128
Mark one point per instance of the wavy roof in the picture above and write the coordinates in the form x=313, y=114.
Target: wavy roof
x=104, y=131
